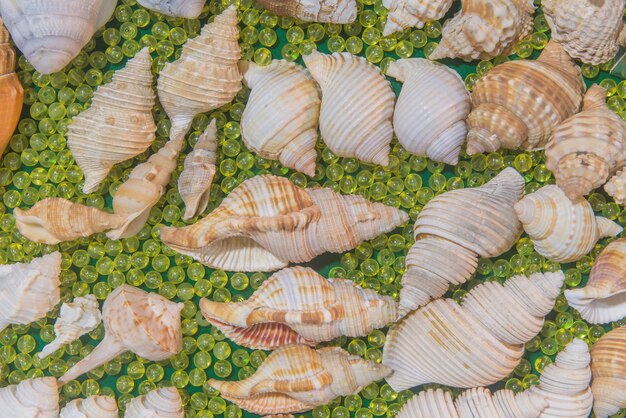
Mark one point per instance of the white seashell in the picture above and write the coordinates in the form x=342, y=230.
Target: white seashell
x=616, y=187
x=325, y=11
x=32, y=398
x=408, y=13
x=608, y=367
x=91, y=407
x=189, y=9
x=159, y=403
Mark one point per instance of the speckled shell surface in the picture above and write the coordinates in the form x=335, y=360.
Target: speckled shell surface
x=162, y=403
x=189, y=9
x=31, y=398
x=91, y=407
x=408, y=13
x=11, y=90
x=608, y=367
x=616, y=187
x=325, y=11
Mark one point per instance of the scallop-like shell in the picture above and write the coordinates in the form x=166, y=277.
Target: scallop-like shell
x=206, y=75
x=11, y=90
x=31, y=398
x=118, y=125
x=325, y=11
x=280, y=118
x=518, y=103
x=163, y=403
x=469, y=223
x=608, y=366
x=50, y=34
x=297, y=378
x=268, y=222
x=357, y=106
x=473, y=344
x=562, y=230
x=616, y=187
x=189, y=9
x=297, y=305
x=91, y=407
x=408, y=13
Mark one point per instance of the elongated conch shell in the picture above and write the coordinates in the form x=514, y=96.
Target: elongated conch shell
x=297, y=378
x=11, y=90
x=357, y=106
x=280, y=118
x=206, y=75
x=161, y=403
x=189, y=9
x=518, y=103
x=408, y=13
x=134, y=320
x=55, y=220
x=473, y=344
x=77, y=318
x=29, y=290
x=608, y=367
x=268, y=222
x=50, y=34
x=91, y=407
x=118, y=125
x=616, y=187
x=469, y=223
x=560, y=229
x=325, y=11
x=31, y=398
x=298, y=306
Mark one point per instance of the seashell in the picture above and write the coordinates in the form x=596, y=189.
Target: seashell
x=50, y=34
x=408, y=13
x=325, y=11
x=134, y=320
x=473, y=344
x=608, y=366
x=357, y=106
x=189, y=9
x=603, y=299
x=206, y=75
x=11, y=90
x=585, y=148
x=298, y=306
x=162, y=403
x=29, y=290
x=118, y=125
x=76, y=319
x=616, y=187
x=280, y=118
x=469, y=223
x=297, y=378
x=560, y=229
x=31, y=398
x=55, y=220
x=518, y=103
x=484, y=29
x=91, y=407
x=268, y=222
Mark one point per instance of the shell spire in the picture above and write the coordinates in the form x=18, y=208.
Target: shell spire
x=325, y=11
x=608, y=360
x=11, y=90
x=408, y=13
x=189, y=9
x=30, y=398
x=162, y=403
x=91, y=407
x=616, y=187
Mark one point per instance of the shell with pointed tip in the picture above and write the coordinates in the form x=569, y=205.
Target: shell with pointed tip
x=357, y=106
x=36, y=398
x=326, y=11
x=11, y=90
x=268, y=222
x=205, y=77
x=162, y=403
x=144, y=323
x=518, y=103
x=562, y=230
x=608, y=367
x=616, y=187
x=280, y=118
x=470, y=223
x=297, y=378
x=91, y=407
x=473, y=344
x=50, y=34
x=189, y=9
x=408, y=13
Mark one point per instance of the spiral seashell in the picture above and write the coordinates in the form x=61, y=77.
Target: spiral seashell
x=518, y=103
x=161, y=403
x=429, y=119
x=469, y=223
x=11, y=90
x=118, y=125
x=298, y=306
x=280, y=118
x=189, y=9
x=31, y=398
x=297, y=378
x=616, y=187
x=408, y=13
x=91, y=407
x=608, y=367
x=268, y=222
x=357, y=106
x=325, y=11
x=473, y=344
x=206, y=75
x=562, y=230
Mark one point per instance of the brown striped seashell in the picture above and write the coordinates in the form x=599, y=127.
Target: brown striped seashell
x=11, y=90
x=325, y=11
x=608, y=367
x=616, y=187
x=189, y=9
x=408, y=13
x=91, y=407
x=36, y=398
x=159, y=403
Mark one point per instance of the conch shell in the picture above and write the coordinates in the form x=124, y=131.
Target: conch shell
x=11, y=90
x=608, y=366
x=189, y=9
x=268, y=222
x=91, y=407
x=280, y=118
x=518, y=103
x=473, y=344
x=469, y=223
x=298, y=306
x=297, y=378
x=357, y=106
x=162, y=403
x=134, y=320
x=206, y=75
x=616, y=187
x=560, y=229
x=36, y=398
x=325, y=11
x=408, y=13
x=118, y=125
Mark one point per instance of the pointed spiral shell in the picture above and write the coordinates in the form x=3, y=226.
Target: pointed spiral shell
x=91, y=407
x=616, y=187
x=608, y=367
x=30, y=398
x=162, y=403
x=408, y=13
x=11, y=90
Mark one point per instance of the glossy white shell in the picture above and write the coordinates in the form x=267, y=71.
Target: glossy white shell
x=161, y=403
x=32, y=398
x=91, y=407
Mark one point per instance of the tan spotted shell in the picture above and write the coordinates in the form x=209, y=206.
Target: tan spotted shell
x=608, y=367
x=326, y=11
x=11, y=90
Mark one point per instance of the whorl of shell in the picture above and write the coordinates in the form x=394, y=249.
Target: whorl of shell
x=409, y=13
x=473, y=344
x=189, y=9
x=91, y=407
x=608, y=367
x=325, y=11
x=616, y=187
x=30, y=398
x=162, y=403
x=11, y=90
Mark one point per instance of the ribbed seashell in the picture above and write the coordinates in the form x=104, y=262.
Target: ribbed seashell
x=29, y=290
x=144, y=323
x=608, y=367
x=206, y=75
x=31, y=398
x=76, y=318
x=408, y=13
x=268, y=222
x=91, y=407
x=11, y=90
x=469, y=223
x=280, y=118
x=616, y=187
x=473, y=344
x=357, y=106
x=162, y=403
x=118, y=125
x=518, y=103
x=560, y=229
x=189, y=9
x=297, y=305
x=55, y=220
x=325, y=11
x=297, y=378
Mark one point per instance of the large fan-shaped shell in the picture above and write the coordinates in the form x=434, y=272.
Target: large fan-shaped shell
x=11, y=90
x=162, y=403
x=616, y=187
x=408, y=13
x=32, y=398
x=326, y=11
x=608, y=366
x=91, y=407
x=189, y=9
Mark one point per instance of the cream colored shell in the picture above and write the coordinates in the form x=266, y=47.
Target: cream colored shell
x=31, y=398
x=162, y=403
x=91, y=407
x=189, y=9
x=616, y=187
x=408, y=13
x=608, y=366
x=326, y=11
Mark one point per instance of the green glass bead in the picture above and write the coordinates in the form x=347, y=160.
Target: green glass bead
x=354, y=45
x=374, y=53
x=589, y=70
x=541, y=363
x=223, y=368
x=515, y=385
